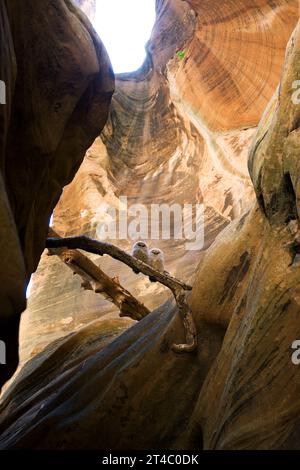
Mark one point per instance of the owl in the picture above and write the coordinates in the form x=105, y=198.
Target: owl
x=140, y=251
x=157, y=259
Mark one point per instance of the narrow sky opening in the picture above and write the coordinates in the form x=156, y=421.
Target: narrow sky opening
x=29, y=287
x=125, y=27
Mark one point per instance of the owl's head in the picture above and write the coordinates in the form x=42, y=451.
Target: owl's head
x=141, y=245
x=156, y=252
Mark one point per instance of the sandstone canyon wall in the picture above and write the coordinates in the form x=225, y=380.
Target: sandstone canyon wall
x=181, y=124
x=59, y=85
x=181, y=131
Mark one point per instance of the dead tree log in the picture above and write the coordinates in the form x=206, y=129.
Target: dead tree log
x=93, y=278
x=66, y=249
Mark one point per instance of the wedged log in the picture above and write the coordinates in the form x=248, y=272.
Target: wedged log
x=103, y=248
x=93, y=278
x=96, y=279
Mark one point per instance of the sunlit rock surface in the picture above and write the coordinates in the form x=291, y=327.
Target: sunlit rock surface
x=240, y=390
x=179, y=132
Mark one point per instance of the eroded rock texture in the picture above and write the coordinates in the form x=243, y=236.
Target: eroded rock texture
x=254, y=382
x=240, y=389
x=179, y=132
x=59, y=86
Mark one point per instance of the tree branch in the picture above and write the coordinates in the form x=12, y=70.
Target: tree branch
x=93, y=278
x=66, y=249
x=101, y=248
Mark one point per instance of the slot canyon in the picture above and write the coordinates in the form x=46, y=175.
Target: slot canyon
x=209, y=119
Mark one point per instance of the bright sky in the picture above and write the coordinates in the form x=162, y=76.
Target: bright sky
x=124, y=27
x=28, y=290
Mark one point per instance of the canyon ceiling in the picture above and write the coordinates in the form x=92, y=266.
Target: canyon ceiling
x=179, y=130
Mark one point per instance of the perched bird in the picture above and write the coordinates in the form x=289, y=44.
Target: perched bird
x=140, y=251
x=157, y=259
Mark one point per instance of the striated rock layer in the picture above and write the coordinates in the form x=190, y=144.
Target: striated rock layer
x=179, y=132
x=59, y=86
x=240, y=390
